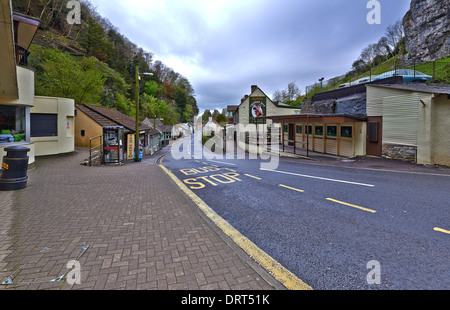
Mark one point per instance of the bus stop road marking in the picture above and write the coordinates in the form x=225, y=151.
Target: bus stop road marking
x=279, y=272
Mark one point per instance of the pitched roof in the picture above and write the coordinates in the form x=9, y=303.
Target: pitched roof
x=111, y=117
x=159, y=124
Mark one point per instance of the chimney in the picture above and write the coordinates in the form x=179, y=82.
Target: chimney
x=254, y=87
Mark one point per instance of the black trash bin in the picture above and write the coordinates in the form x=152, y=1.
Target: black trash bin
x=14, y=168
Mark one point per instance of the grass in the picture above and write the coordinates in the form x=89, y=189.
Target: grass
x=439, y=69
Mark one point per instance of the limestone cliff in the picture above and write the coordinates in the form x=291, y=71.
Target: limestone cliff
x=427, y=30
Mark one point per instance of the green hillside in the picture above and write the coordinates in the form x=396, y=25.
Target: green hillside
x=94, y=63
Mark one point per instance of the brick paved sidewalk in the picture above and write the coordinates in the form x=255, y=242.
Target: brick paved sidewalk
x=129, y=227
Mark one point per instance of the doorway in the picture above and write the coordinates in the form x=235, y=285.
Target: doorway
x=374, y=144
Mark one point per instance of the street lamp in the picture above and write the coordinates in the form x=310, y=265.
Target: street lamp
x=136, y=142
x=320, y=80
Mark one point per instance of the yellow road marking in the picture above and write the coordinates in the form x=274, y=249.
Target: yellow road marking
x=350, y=205
x=294, y=189
x=251, y=176
x=280, y=273
x=442, y=230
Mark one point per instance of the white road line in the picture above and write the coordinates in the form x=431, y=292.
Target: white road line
x=219, y=162
x=319, y=178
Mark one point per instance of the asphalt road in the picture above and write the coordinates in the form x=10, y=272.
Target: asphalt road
x=333, y=227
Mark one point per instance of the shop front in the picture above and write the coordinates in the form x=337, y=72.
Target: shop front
x=339, y=135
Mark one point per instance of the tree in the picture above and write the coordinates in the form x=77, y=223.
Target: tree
x=206, y=115
x=123, y=105
x=292, y=92
x=382, y=48
x=62, y=75
x=188, y=114
x=101, y=43
x=288, y=95
x=394, y=34
x=151, y=88
x=368, y=54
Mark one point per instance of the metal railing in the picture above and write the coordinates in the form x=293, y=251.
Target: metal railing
x=22, y=55
x=436, y=70
x=92, y=148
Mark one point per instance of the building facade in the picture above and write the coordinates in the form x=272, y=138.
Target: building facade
x=409, y=122
x=253, y=130
x=42, y=124
x=90, y=120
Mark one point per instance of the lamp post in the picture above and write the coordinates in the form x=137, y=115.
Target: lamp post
x=136, y=141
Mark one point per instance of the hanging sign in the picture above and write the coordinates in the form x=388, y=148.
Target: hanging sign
x=257, y=107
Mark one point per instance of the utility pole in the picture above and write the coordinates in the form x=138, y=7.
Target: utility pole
x=136, y=142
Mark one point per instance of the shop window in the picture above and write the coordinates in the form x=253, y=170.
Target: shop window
x=318, y=130
x=346, y=132
x=12, y=124
x=44, y=125
x=299, y=129
x=331, y=131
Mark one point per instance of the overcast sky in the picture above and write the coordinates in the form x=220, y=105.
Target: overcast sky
x=225, y=46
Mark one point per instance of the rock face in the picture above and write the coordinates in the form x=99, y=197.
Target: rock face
x=427, y=30
x=351, y=105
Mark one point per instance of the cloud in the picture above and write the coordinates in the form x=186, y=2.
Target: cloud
x=225, y=46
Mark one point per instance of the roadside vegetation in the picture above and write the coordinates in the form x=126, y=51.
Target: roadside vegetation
x=93, y=63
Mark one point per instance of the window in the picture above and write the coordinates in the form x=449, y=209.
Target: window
x=331, y=131
x=299, y=129
x=309, y=130
x=318, y=130
x=44, y=125
x=12, y=123
x=83, y=132
x=346, y=132
x=285, y=128
x=373, y=131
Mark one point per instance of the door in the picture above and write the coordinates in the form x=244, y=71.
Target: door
x=291, y=134
x=374, y=136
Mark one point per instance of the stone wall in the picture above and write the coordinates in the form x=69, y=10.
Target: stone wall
x=318, y=107
x=350, y=105
x=400, y=152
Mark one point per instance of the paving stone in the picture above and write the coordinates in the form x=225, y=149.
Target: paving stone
x=143, y=232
